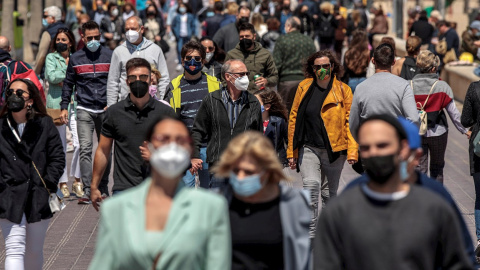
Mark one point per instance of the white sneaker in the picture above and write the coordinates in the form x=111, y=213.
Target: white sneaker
x=179, y=67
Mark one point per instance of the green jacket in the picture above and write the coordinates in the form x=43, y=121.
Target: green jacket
x=55, y=72
x=196, y=235
x=173, y=94
x=290, y=52
x=259, y=61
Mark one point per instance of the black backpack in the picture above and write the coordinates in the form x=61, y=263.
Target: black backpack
x=326, y=29
x=409, y=68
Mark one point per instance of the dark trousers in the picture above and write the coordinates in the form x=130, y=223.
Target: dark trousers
x=287, y=91
x=435, y=147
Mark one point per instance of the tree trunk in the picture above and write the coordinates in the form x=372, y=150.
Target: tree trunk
x=27, y=47
x=50, y=3
x=7, y=22
x=35, y=22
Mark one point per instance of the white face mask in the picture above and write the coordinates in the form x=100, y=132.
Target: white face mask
x=209, y=56
x=170, y=160
x=132, y=36
x=241, y=83
x=115, y=12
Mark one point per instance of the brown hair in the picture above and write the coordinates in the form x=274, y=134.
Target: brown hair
x=413, y=45
x=356, y=17
x=390, y=41
x=277, y=106
x=70, y=37
x=273, y=24
x=308, y=66
x=256, y=146
x=384, y=56
x=357, y=57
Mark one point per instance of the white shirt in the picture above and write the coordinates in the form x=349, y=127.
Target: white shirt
x=183, y=25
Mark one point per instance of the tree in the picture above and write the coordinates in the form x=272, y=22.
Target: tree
x=7, y=21
x=27, y=47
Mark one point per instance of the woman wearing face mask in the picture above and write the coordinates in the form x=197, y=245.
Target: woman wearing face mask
x=160, y=224
x=128, y=11
x=214, y=57
x=154, y=26
x=30, y=169
x=112, y=26
x=319, y=138
x=269, y=222
x=61, y=47
x=183, y=27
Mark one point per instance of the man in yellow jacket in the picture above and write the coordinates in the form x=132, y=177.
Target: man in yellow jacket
x=185, y=94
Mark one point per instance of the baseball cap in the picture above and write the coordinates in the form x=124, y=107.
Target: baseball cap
x=414, y=140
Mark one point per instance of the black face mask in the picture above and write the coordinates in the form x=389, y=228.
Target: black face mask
x=61, y=47
x=246, y=43
x=139, y=89
x=151, y=14
x=15, y=103
x=380, y=168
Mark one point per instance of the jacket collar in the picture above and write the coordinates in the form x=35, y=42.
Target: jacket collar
x=31, y=134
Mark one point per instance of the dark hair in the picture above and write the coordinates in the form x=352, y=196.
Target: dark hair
x=38, y=107
x=423, y=14
x=357, y=57
x=218, y=6
x=187, y=6
x=443, y=23
x=90, y=25
x=277, y=106
x=273, y=24
x=138, y=62
x=246, y=27
x=193, y=46
x=131, y=5
x=70, y=37
x=160, y=119
x=384, y=56
x=390, y=41
x=402, y=135
x=308, y=66
x=219, y=54
x=154, y=8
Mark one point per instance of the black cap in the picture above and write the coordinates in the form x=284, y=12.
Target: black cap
x=393, y=121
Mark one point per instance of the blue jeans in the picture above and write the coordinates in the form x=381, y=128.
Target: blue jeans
x=203, y=175
x=353, y=82
x=180, y=42
x=476, y=181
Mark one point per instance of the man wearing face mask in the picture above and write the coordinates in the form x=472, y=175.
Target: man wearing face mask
x=223, y=115
x=185, y=94
x=135, y=46
x=393, y=224
x=87, y=74
x=126, y=124
x=259, y=61
x=227, y=36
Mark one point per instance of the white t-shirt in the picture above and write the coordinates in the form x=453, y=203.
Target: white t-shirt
x=183, y=25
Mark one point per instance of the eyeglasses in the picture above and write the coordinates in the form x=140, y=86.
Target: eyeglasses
x=209, y=48
x=240, y=73
x=165, y=139
x=18, y=92
x=93, y=37
x=325, y=66
x=197, y=58
x=143, y=77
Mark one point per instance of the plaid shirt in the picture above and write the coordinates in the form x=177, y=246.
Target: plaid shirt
x=233, y=107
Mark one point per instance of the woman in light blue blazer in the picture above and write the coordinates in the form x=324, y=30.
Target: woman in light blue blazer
x=159, y=224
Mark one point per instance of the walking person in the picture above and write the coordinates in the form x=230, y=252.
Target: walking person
x=268, y=221
x=30, y=170
x=86, y=75
x=184, y=28
x=434, y=97
x=319, y=138
x=214, y=57
x=357, y=59
x=62, y=46
x=326, y=25
x=407, y=66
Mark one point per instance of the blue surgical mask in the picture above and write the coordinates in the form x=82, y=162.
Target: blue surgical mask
x=262, y=108
x=45, y=23
x=182, y=10
x=404, y=175
x=247, y=186
x=93, y=45
x=198, y=66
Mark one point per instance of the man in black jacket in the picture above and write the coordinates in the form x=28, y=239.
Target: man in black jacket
x=224, y=114
x=422, y=29
x=87, y=73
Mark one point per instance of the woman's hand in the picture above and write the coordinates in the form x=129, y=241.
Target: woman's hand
x=469, y=134
x=352, y=161
x=292, y=162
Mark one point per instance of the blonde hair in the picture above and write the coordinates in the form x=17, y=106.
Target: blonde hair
x=426, y=60
x=232, y=8
x=257, y=147
x=326, y=6
x=257, y=20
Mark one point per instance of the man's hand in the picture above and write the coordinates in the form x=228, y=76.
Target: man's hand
x=95, y=197
x=352, y=161
x=145, y=151
x=477, y=43
x=196, y=165
x=64, y=116
x=261, y=81
x=469, y=134
x=292, y=162
x=105, y=108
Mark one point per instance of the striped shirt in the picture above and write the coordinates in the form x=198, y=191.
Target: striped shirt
x=233, y=107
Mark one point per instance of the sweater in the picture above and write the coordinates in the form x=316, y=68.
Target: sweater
x=259, y=61
x=290, y=51
x=117, y=88
x=374, y=97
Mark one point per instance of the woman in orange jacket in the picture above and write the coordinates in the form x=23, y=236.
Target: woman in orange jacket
x=319, y=138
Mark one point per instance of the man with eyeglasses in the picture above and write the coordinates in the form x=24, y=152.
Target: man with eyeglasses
x=259, y=61
x=135, y=46
x=126, y=124
x=185, y=94
x=87, y=73
x=223, y=115
x=51, y=22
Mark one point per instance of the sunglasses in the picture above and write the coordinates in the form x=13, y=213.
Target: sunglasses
x=46, y=16
x=197, y=58
x=325, y=66
x=165, y=139
x=132, y=78
x=240, y=73
x=93, y=37
x=209, y=48
x=19, y=92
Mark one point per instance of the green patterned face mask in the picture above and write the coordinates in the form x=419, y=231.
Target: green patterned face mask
x=323, y=74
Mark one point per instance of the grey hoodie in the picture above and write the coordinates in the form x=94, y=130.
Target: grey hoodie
x=117, y=88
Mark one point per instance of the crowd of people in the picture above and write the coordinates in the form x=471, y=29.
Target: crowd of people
x=200, y=160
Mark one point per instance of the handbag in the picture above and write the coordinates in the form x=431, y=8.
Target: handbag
x=56, y=204
x=422, y=114
x=55, y=115
x=441, y=47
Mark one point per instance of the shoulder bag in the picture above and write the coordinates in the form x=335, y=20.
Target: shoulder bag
x=422, y=114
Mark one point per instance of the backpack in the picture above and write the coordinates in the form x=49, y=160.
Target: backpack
x=422, y=114
x=409, y=68
x=29, y=74
x=326, y=29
